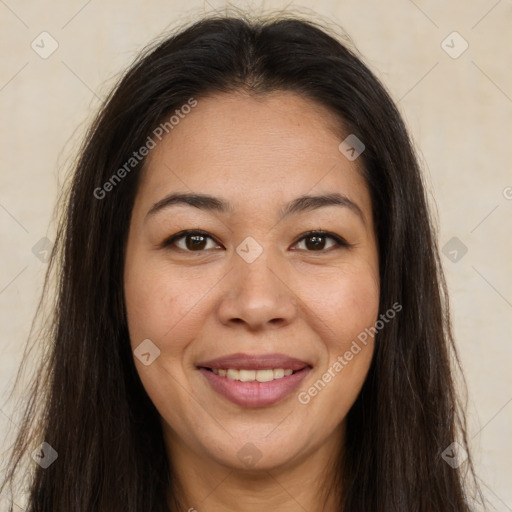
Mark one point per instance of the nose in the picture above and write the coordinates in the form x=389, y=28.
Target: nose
x=257, y=295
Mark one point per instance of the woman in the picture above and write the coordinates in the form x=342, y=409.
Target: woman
x=251, y=312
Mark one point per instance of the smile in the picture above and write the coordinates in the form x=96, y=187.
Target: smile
x=267, y=375
x=254, y=380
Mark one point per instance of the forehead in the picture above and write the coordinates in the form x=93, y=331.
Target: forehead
x=254, y=149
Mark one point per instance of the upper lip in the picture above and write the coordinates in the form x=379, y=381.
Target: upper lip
x=254, y=362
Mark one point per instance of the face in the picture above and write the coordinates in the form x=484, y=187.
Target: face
x=226, y=312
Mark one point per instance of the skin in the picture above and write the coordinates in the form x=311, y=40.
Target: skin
x=307, y=303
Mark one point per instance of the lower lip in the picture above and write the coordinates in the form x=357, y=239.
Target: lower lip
x=254, y=394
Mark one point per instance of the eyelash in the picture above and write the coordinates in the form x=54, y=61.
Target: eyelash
x=340, y=242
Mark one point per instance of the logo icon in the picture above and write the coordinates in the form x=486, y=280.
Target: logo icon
x=351, y=147
x=43, y=249
x=455, y=455
x=44, y=45
x=454, y=249
x=146, y=352
x=249, y=249
x=44, y=455
x=249, y=455
x=454, y=45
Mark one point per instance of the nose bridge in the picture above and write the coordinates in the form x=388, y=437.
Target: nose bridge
x=257, y=276
x=257, y=292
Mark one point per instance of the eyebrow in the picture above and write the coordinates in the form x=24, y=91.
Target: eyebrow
x=215, y=204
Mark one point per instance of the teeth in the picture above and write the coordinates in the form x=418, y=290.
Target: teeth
x=247, y=375
x=264, y=375
x=253, y=375
x=233, y=374
x=279, y=373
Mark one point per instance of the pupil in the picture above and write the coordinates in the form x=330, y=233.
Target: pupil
x=317, y=241
x=197, y=241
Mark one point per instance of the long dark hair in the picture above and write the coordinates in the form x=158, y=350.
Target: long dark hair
x=92, y=407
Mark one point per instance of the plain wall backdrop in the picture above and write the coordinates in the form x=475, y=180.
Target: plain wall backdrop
x=446, y=64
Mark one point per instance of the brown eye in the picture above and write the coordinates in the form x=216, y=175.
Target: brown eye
x=190, y=241
x=193, y=242
x=316, y=241
x=197, y=241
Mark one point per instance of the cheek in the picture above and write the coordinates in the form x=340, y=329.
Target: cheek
x=155, y=299
x=163, y=303
x=347, y=308
x=155, y=303
x=357, y=303
x=146, y=304
x=346, y=302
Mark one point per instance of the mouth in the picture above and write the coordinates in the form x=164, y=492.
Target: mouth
x=265, y=375
x=254, y=381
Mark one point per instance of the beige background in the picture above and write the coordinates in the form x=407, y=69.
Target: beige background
x=459, y=111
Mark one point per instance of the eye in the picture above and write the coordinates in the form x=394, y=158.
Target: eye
x=197, y=241
x=194, y=240
x=315, y=241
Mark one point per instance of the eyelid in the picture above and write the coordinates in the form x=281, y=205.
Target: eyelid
x=182, y=234
x=340, y=242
